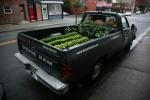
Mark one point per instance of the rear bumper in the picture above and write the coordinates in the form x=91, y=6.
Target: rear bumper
x=40, y=75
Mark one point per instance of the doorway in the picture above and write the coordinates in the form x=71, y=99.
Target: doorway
x=22, y=11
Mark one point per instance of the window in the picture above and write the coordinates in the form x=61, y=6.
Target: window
x=103, y=20
x=7, y=10
x=124, y=23
x=54, y=9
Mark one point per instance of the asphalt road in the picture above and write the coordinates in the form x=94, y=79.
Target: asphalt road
x=142, y=22
x=123, y=79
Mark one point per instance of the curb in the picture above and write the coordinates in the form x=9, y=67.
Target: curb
x=139, y=39
x=23, y=29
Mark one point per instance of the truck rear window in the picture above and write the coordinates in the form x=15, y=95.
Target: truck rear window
x=102, y=20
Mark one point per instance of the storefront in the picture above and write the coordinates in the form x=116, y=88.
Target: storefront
x=52, y=9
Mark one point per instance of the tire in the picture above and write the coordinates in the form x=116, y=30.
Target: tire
x=94, y=74
x=128, y=46
x=96, y=71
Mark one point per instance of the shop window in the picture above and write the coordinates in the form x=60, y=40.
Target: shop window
x=54, y=9
x=7, y=10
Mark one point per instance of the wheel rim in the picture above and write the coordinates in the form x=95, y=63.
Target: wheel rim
x=96, y=71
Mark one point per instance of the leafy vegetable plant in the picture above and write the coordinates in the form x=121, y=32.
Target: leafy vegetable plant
x=72, y=43
x=64, y=39
x=49, y=39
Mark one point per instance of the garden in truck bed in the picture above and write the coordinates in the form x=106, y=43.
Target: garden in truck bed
x=76, y=35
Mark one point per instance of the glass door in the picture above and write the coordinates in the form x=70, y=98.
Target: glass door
x=44, y=11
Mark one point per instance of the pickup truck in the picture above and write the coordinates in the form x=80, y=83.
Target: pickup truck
x=58, y=69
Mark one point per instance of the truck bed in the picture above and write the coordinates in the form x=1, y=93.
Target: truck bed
x=51, y=59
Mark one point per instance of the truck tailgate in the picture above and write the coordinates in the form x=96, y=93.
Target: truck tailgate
x=47, y=57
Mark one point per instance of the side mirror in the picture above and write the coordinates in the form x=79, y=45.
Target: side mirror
x=133, y=27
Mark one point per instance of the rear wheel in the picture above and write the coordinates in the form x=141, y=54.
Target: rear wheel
x=94, y=74
x=96, y=71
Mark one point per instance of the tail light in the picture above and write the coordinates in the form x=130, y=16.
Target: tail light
x=18, y=42
x=67, y=71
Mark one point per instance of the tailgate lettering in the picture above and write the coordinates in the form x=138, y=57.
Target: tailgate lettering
x=45, y=60
x=28, y=50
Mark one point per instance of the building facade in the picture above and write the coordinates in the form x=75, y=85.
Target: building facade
x=91, y=5
x=16, y=11
x=122, y=5
x=134, y=5
x=12, y=11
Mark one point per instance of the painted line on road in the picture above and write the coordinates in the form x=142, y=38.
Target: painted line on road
x=8, y=42
x=140, y=37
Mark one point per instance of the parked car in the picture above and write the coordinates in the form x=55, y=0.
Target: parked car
x=65, y=13
x=138, y=12
x=59, y=59
x=128, y=13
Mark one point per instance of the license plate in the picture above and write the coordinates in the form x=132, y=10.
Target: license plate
x=33, y=72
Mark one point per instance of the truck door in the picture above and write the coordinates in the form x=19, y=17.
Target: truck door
x=116, y=41
x=126, y=30
x=115, y=36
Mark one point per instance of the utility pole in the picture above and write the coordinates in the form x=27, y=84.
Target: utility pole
x=133, y=6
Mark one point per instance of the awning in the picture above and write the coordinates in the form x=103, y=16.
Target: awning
x=52, y=2
x=103, y=4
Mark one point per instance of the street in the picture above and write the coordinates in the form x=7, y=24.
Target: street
x=126, y=76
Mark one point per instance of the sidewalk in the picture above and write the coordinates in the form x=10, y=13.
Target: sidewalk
x=28, y=25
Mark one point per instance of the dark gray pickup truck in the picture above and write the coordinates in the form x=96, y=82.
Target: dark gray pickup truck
x=59, y=68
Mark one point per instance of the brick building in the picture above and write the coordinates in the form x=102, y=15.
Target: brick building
x=91, y=5
x=16, y=11
x=10, y=11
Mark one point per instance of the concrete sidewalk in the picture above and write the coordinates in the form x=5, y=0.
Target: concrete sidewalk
x=28, y=25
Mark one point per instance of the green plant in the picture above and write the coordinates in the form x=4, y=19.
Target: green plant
x=64, y=39
x=71, y=43
x=72, y=29
x=49, y=39
x=93, y=30
x=88, y=29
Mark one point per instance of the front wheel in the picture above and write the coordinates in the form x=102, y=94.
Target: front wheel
x=128, y=46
